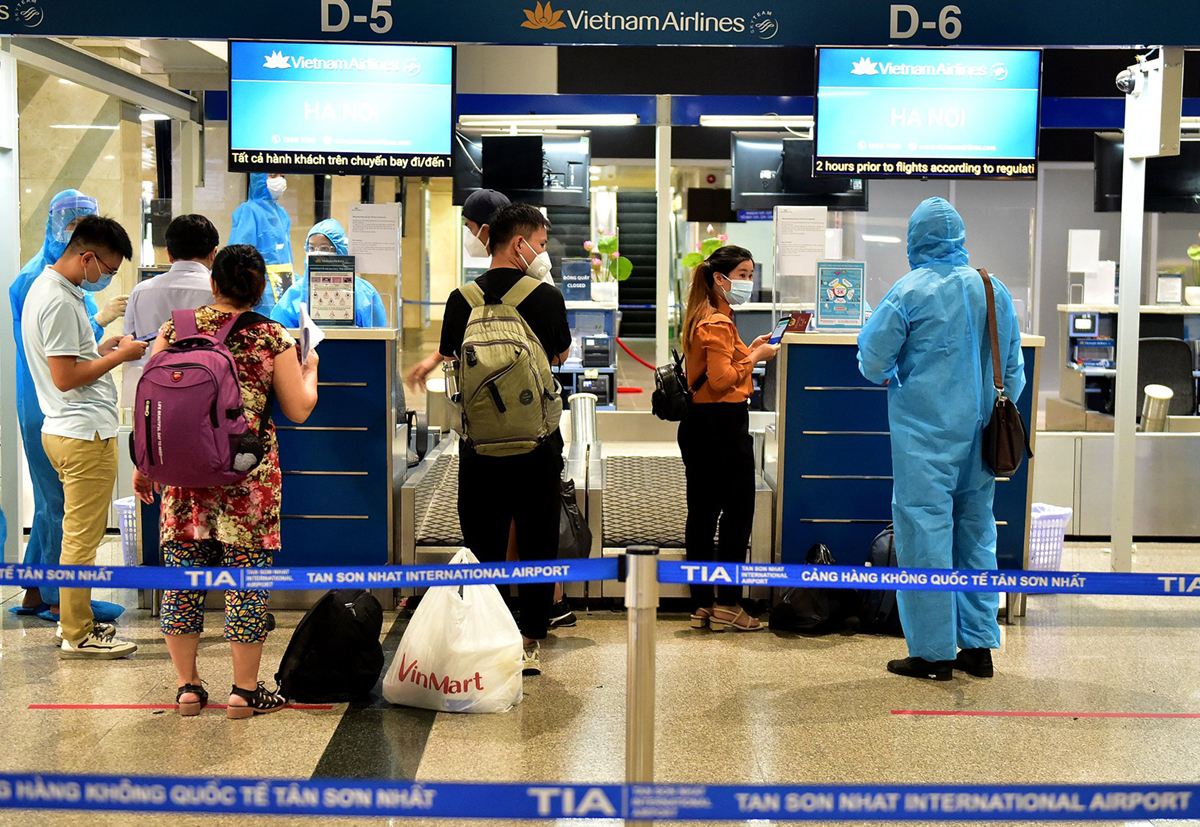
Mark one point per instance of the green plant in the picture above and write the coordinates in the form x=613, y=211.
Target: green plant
x=607, y=262
x=1194, y=254
x=706, y=248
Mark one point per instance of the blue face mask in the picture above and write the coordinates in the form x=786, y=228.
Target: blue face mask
x=739, y=291
x=96, y=286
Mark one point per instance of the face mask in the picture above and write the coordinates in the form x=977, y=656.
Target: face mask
x=739, y=291
x=539, y=268
x=96, y=286
x=277, y=187
x=474, y=247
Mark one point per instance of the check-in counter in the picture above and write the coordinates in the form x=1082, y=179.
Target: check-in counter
x=343, y=468
x=830, y=458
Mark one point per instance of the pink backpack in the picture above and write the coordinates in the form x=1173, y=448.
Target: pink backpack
x=189, y=428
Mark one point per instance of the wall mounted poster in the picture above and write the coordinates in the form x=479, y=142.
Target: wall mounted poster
x=331, y=290
x=840, y=295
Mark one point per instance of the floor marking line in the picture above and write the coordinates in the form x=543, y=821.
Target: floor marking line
x=157, y=706
x=983, y=714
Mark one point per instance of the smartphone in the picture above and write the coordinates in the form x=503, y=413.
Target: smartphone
x=777, y=333
x=148, y=338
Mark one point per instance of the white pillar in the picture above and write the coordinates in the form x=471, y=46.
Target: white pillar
x=10, y=265
x=189, y=165
x=662, y=184
x=1133, y=188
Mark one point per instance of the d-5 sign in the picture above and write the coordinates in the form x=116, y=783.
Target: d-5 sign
x=948, y=25
x=336, y=16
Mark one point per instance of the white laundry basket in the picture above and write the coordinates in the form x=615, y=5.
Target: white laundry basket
x=1047, y=530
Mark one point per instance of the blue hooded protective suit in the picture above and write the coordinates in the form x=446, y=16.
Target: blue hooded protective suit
x=264, y=225
x=368, y=307
x=45, y=536
x=928, y=339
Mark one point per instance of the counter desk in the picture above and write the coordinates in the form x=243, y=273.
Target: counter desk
x=830, y=458
x=343, y=468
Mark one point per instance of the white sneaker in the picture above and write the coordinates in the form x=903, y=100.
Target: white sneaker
x=531, y=664
x=97, y=626
x=97, y=646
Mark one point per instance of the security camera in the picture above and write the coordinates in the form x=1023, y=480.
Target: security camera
x=1129, y=82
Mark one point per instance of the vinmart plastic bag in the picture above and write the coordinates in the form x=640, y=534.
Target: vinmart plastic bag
x=461, y=652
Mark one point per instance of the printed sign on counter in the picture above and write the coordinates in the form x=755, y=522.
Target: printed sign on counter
x=799, y=240
x=375, y=238
x=331, y=289
x=840, y=295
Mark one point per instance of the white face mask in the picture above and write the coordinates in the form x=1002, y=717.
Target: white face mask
x=540, y=267
x=277, y=187
x=474, y=247
x=739, y=291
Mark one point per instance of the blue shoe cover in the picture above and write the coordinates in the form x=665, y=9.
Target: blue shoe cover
x=32, y=610
x=101, y=610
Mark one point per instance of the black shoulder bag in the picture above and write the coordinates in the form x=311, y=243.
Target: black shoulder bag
x=672, y=395
x=1005, y=438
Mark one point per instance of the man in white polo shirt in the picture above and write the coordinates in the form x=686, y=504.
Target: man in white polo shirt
x=191, y=245
x=79, y=399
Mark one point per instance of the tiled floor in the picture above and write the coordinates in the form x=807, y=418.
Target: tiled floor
x=761, y=708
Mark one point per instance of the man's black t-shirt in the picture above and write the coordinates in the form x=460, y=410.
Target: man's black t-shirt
x=544, y=311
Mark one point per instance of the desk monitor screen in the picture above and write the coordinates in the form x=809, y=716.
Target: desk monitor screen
x=914, y=113
x=340, y=108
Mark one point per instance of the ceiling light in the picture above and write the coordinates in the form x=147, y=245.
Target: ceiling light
x=881, y=239
x=153, y=116
x=735, y=121
x=505, y=121
x=106, y=127
x=66, y=82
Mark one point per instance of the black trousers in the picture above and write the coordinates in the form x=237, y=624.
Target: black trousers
x=718, y=458
x=494, y=492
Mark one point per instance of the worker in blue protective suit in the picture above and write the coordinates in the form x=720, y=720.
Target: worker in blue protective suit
x=45, y=534
x=264, y=225
x=928, y=341
x=327, y=238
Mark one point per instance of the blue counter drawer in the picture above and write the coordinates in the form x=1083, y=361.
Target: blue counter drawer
x=347, y=404
x=842, y=454
x=838, y=499
x=334, y=542
x=835, y=365
x=837, y=410
x=330, y=450
x=341, y=495
x=353, y=361
x=849, y=541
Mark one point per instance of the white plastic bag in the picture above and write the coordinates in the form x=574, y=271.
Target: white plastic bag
x=461, y=652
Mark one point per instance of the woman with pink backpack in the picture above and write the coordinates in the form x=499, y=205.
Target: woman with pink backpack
x=237, y=524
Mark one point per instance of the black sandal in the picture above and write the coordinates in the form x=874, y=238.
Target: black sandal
x=187, y=710
x=260, y=702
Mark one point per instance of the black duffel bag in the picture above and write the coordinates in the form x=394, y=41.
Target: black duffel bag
x=810, y=609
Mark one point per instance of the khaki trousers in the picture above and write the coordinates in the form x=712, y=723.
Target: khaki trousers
x=88, y=471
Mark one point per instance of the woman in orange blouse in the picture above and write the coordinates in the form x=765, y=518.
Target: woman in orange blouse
x=714, y=438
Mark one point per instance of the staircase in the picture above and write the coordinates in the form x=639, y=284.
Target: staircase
x=569, y=228
x=637, y=225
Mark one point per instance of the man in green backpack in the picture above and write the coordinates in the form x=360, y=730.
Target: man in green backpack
x=506, y=329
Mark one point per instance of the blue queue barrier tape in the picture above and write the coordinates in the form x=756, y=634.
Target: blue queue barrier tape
x=938, y=580
x=298, y=579
x=424, y=304
x=650, y=802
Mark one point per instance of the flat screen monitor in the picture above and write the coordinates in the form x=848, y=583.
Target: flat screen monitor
x=926, y=113
x=710, y=206
x=563, y=181
x=774, y=169
x=1172, y=182
x=513, y=163
x=340, y=108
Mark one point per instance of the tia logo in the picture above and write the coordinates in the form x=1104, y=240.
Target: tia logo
x=543, y=17
x=866, y=66
x=276, y=60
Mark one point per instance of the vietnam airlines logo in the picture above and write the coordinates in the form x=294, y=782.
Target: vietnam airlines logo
x=543, y=17
x=276, y=60
x=865, y=66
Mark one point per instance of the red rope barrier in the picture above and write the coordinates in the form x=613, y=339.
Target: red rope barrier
x=639, y=359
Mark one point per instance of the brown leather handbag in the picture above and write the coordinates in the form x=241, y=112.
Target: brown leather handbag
x=1005, y=437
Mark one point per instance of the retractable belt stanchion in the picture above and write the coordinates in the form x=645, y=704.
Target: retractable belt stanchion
x=641, y=605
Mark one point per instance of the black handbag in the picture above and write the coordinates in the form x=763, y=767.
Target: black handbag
x=672, y=396
x=574, y=536
x=1005, y=437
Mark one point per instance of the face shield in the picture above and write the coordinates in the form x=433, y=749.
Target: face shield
x=68, y=210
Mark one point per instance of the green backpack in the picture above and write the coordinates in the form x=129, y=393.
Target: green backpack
x=510, y=399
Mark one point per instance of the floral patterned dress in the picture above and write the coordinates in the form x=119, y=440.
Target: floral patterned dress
x=246, y=514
